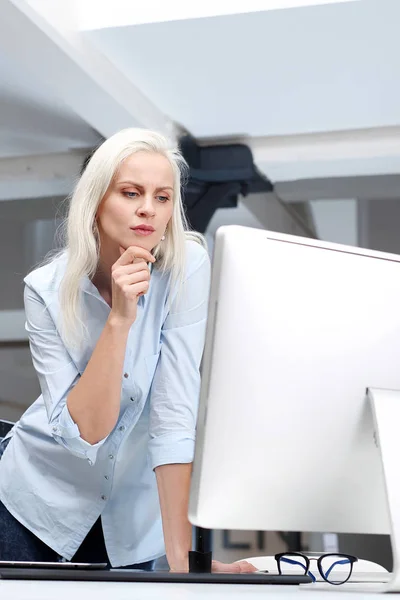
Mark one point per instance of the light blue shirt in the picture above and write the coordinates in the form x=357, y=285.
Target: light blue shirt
x=57, y=484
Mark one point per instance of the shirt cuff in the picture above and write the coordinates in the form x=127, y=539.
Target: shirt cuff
x=66, y=432
x=171, y=449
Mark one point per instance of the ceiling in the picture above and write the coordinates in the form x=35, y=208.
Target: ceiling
x=312, y=89
x=33, y=118
x=288, y=82
x=90, y=15
x=271, y=73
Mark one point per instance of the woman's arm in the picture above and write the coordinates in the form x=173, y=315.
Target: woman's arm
x=173, y=405
x=94, y=403
x=173, y=411
x=72, y=399
x=83, y=409
x=173, y=488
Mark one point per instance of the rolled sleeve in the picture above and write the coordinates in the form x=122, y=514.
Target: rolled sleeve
x=57, y=376
x=171, y=449
x=66, y=432
x=176, y=384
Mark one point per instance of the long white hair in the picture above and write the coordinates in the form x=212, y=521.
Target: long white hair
x=79, y=229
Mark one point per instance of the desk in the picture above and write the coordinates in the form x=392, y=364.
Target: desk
x=68, y=590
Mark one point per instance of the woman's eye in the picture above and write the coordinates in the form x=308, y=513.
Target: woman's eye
x=163, y=198
x=131, y=194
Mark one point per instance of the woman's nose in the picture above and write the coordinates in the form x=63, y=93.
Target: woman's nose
x=146, y=209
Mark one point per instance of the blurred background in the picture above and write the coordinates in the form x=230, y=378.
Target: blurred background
x=288, y=114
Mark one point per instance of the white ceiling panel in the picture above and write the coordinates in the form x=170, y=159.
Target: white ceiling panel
x=33, y=120
x=271, y=73
x=91, y=14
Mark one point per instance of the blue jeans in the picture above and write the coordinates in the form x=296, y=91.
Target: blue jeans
x=18, y=543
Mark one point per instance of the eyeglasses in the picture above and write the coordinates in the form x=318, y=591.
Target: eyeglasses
x=333, y=568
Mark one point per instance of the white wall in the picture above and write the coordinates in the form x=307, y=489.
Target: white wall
x=379, y=225
x=275, y=215
x=230, y=216
x=336, y=220
x=262, y=211
x=24, y=241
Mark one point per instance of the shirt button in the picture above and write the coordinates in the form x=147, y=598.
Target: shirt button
x=111, y=456
x=122, y=428
x=132, y=399
x=106, y=477
x=126, y=375
x=90, y=461
x=104, y=497
x=55, y=429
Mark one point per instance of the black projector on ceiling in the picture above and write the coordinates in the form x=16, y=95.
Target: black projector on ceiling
x=217, y=176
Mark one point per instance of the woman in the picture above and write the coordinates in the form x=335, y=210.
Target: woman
x=116, y=325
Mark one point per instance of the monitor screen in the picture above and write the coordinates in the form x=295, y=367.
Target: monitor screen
x=298, y=330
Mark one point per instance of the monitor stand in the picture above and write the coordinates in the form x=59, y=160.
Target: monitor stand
x=200, y=559
x=386, y=414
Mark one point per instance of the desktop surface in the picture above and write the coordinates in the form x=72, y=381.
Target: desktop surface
x=48, y=590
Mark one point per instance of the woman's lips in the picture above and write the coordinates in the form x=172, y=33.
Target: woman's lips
x=143, y=231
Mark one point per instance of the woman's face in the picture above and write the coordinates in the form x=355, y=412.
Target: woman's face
x=137, y=206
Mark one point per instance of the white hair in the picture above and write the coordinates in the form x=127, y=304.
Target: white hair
x=80, y=230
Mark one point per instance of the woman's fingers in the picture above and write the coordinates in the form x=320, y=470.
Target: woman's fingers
x=127, y=279
x=123, y=270
x=133, y=253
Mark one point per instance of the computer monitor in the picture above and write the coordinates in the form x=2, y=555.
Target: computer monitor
x=298, y=329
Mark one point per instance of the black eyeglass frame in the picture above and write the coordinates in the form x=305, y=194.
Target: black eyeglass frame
x=352, y=559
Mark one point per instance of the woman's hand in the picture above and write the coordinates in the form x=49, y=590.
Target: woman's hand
x=242, y=566
x=130, y=277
